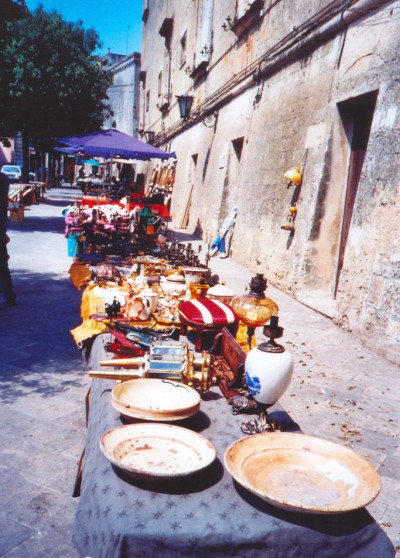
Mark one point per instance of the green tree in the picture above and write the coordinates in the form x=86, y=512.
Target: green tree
x=55, y=84
x=10, y=11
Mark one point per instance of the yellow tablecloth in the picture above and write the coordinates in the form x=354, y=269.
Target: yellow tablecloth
x=89, y=327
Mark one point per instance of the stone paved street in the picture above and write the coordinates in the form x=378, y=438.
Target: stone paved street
x=43, y=385
x=340, y=390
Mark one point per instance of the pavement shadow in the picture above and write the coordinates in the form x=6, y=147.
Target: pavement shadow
x=37, y=351
x=61, y=202
x=39, y=224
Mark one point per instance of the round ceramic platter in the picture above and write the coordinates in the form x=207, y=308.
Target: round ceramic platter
x=156, y=451
x=155, y=399
x=302, y=473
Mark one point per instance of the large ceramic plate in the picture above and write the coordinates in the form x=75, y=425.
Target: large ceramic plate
x=302, y=473
x=156, y=451
x=155, y=399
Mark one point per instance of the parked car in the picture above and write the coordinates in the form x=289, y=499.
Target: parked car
x=13, y=172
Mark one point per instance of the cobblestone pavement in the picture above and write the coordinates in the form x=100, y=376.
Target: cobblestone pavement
x=340, y=390
x=43, y=385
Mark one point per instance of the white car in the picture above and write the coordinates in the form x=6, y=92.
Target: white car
x=13, y=172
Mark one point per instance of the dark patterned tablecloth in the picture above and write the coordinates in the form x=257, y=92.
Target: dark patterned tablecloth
x=207, y=514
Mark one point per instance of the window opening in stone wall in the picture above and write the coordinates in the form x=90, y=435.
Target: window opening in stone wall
x=145, y=14
x=166, y=31
x=356, y=116
x=182, y=54
x=147, y=100
x=237, y=145
x=204, y=33
x=160, y=84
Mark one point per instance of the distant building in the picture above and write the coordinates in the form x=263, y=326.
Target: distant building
x=281, y=84
x=124, y=92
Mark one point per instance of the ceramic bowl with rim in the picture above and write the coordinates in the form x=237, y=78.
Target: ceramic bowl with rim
x=155, y=399
x=196, y=274
x=303, y=473
x=154, y=452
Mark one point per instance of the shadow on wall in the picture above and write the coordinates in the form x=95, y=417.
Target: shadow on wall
x=198, y=231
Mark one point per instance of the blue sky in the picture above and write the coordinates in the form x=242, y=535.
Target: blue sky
x=117, y=22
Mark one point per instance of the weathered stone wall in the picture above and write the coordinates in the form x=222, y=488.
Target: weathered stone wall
x=292, y=117
x=124, y=94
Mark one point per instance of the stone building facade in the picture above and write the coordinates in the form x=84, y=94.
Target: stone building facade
x=124, y=92
x=279, y=84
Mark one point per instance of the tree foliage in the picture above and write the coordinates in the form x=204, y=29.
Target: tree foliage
x=51, y=82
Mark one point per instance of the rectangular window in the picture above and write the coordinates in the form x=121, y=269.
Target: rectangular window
x=160, y=84
x=145, y=13
x=204, y=34
x=147, y=100
x=182, y=54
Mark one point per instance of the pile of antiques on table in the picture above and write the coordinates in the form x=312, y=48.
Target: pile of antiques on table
x=174, y=362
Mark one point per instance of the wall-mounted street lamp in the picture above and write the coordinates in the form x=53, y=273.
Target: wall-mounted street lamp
x=185, y=104
x=150, y=136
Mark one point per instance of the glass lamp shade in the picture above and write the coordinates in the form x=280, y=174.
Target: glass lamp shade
x=254, y=312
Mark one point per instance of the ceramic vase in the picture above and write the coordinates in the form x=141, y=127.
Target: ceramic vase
x=268, y=374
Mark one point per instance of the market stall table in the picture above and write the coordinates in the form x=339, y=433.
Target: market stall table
x=92, y=201
x=206, y=514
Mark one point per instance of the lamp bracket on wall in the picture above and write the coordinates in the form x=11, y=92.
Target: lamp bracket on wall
x=205, y=50
x=257, y=76
x=210, y=121
x=227, y=25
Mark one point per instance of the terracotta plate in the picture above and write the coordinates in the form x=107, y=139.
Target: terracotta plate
x=155, y=399
x=302, y=473
x=156, y=451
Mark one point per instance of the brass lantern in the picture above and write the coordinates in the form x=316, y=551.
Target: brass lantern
x=254, y=309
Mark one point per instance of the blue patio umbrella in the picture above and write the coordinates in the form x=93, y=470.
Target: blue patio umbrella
x=111, y=144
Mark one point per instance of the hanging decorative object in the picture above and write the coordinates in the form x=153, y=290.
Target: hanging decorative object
x=290, y=219
x=293, y=176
